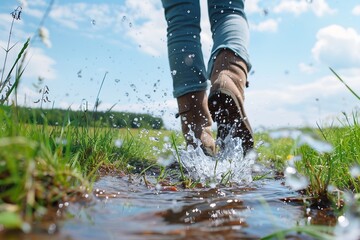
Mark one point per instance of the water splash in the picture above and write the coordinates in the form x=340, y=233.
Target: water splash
x=293, y=178
x=229, y=165
x=303, y=139
x=355, y=171
x=348, y=225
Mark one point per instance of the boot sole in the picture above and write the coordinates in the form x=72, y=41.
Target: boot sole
x=226, y=112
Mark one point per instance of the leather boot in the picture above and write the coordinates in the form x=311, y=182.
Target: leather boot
x=226, y=99
x=195, y=116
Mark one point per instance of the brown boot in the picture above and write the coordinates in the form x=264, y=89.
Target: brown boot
x=226, y=100
x=195, y=116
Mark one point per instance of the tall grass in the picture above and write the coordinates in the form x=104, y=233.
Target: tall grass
x=333, y=169
x=34, y=173
x=42, y=166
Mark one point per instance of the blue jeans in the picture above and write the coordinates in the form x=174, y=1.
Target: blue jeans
x=229, y=29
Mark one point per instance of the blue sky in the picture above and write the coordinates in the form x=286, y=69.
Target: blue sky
x=293, y=44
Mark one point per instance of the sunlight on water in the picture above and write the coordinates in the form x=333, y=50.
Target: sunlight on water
x=228, y=165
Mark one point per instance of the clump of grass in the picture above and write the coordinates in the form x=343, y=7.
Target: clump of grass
x=333, y=169
x=33, y=175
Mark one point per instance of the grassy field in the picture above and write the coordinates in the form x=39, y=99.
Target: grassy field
x=42, y=166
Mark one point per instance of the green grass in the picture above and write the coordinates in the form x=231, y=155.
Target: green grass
x=42, y=166
x=333, y=169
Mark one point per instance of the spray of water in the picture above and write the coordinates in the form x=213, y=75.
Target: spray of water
x=348, y=224
x=293, y=178
x=229, y=165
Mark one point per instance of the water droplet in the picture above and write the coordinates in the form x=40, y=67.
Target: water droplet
x=355, y=171
x=117, y=80
x=118, y=143
x=130, y=24
x=26, y=227
x=123, y=18
x=265, y=12
x=155, y=139
x=317, y=145
x=188, y=11
x=93, y=22
x=343, y=222
x=294, y=179
x=173, y=72
x=61, y=141
x=52, y=228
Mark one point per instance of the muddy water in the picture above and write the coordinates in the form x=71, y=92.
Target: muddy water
x=123, y=209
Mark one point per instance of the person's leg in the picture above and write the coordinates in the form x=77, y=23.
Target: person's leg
x=188, y=70
x=228, y=68
x=229, y=29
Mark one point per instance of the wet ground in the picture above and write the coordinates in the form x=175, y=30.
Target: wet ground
x=123, y=209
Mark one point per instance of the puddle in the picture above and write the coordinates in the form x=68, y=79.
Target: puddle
x=123, y=209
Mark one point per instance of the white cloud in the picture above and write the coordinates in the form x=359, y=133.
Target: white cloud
x=40, y=65
x=356, y=10
x=17, y=32
x=69, y=15
x=270, y=25
x=337, y=47
x=142, y=22
x=252, y=7
x=294, y=105
x=37, y=63
x=318, y=7
x=26, y=3
x=27, y=96
x=307, y=68
x=148, y=27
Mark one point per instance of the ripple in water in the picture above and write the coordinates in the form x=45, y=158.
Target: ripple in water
x=228, y=165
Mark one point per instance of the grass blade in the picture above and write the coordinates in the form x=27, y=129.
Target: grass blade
x=347, y=86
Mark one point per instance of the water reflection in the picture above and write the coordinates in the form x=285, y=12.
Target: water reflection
x=245, y=212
